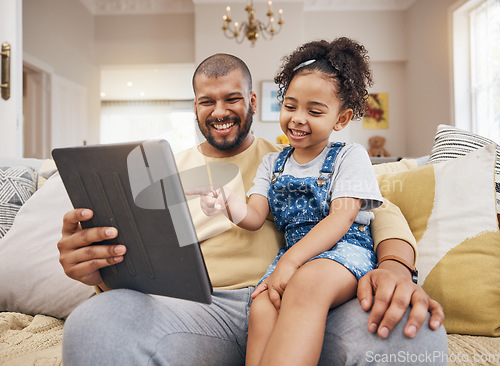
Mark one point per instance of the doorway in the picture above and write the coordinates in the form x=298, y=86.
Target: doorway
x=54, y=108
x=36, y=110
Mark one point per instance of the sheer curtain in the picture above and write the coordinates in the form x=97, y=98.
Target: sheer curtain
x=485, y=69
x=172, y=120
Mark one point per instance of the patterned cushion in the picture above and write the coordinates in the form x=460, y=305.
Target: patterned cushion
x=451, y=142
x=17, y=184
x=450, y=208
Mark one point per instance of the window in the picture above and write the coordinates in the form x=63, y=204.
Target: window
x=174, y=121
x=476, y=57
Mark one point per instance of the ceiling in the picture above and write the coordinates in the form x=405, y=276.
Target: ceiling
x=117, y=7
x=148, y=82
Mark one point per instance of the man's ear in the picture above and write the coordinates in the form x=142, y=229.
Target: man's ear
x=343, y=119
x=253, y=101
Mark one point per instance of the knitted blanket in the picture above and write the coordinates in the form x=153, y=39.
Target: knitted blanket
x=466, y=350
x=27, y=340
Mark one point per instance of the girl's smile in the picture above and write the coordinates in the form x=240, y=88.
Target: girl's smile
x=297, y=134
x=311, y=111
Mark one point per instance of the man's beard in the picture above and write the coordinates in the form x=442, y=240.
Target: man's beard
x=225, y=145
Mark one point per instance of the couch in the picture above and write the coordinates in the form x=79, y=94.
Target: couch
x=450, y=199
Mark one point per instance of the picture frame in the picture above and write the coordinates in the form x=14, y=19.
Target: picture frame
x=377, y=112
x=270, y=106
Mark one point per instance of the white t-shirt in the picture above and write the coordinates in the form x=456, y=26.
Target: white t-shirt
x=353, y=176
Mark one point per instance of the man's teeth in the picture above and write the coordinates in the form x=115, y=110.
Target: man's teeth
x=224, y=126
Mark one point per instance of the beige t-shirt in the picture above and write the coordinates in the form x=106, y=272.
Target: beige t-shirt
x=237, y=258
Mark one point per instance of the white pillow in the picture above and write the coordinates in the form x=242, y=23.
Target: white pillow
x=451, y=142
x=32, y=279
x=450, y=208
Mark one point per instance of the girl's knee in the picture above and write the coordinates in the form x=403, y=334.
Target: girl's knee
x=322, y=279
x=261, y=306
x=307, y=279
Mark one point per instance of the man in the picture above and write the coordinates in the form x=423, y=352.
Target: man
x=127, y=327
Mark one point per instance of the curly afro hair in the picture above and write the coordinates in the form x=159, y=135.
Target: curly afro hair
x=344, y=60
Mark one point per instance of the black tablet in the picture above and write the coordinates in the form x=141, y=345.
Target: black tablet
x=136, y=188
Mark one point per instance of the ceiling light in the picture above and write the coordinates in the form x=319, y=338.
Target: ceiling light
x=252, y=28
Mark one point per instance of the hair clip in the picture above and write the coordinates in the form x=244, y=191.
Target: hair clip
x=305, y=63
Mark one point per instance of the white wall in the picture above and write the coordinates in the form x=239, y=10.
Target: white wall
x=389, y=77
x=409, y=50
x=428, y=73
x=11, y=114
x=144, y=39
x=60, y=33
x=383, y=33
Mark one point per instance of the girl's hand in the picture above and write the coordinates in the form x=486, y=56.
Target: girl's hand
x=212, y=200
x=259, y=289
x=276, y=282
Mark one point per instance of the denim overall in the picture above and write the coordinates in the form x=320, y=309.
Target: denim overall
x=298, y=204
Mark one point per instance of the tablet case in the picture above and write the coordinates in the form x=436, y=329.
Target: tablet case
x=136, y=188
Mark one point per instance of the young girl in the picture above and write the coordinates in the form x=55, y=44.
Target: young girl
x=319, y=193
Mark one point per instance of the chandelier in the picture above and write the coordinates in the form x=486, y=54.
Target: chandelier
x=252, y=28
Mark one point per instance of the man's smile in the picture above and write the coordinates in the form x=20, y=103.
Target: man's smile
x=223, y=126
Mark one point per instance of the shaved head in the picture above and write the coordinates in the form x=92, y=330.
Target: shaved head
x=222, y=64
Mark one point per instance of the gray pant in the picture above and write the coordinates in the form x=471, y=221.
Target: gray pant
x=124, y=327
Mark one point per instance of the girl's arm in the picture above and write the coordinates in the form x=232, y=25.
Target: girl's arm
x=249, y=216
x=326, y=233
x=322, y=237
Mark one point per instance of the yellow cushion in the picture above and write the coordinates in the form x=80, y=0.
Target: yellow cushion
x=394, y=167
x=451, y=210
x=47, y=165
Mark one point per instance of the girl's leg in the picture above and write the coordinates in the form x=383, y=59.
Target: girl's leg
x=261, y=322
x=297, y=337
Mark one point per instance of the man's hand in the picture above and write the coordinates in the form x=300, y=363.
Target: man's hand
x=80, y=259
x=388, y=295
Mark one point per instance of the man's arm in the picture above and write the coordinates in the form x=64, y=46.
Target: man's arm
x=389, y=290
